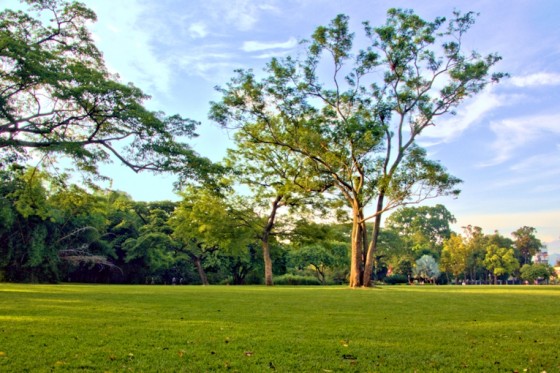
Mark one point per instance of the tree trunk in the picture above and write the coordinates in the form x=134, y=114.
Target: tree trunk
x=201, y=272
x=356, y=261
x=265, y=240
x=267, y=263
x=370, y=255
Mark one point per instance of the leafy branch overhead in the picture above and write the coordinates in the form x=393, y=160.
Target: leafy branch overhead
x=58, y=98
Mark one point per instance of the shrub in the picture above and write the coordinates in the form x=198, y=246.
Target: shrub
x=289, y=279
x=396, y=279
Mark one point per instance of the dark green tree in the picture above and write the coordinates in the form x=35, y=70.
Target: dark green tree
x=207, y=222
x=534, y=272
x=58, y=98
x=526, y=244
x=423, y=228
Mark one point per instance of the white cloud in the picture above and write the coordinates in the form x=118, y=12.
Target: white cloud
x=451, y=127
x=512, y=134
x=253, y=46
x=131, y=57
x=536, y=79
x=206, y=62
x=198, y=30
x=241, y=14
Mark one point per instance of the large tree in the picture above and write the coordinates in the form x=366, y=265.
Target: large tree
x=58, y=98
x=359, y=127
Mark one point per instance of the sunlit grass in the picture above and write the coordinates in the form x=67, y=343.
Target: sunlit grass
x=180, y=328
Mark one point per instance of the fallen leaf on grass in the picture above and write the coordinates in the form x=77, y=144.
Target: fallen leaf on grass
x=2, y=354
x=181, y=353
x=248, y=353
x=59, y=363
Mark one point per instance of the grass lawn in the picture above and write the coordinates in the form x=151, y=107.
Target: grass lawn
x=287, y=329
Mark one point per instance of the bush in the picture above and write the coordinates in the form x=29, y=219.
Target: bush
x=289, y=279
x=396, y=279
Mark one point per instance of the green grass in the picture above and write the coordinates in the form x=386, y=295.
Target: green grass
x=285, y=329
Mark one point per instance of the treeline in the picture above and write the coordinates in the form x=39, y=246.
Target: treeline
x=418, y=244
x=54, y=231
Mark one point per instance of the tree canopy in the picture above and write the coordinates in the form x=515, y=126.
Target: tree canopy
x=57, y=97
x=358, y=129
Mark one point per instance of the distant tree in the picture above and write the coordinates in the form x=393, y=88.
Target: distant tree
x=500, y=261
x=206, y=222
x=58, y=98
x=526, y=244
x=152, y=251
x=359, y=131
x=277, y=180
x=424, y=227
x=318, y=246
x=534, y=272
x=426, y=268
x=455, y=256
x=394, y=253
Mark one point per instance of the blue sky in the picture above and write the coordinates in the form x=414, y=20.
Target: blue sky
x=504, y=143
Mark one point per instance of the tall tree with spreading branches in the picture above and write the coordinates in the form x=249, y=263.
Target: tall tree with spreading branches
x=58, y=98
x=359, y=127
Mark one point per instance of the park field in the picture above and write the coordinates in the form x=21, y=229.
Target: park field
x=110, y=328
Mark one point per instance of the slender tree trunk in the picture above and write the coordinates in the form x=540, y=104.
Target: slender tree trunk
x=356, y=261
x=201, y=272
x=370, y=255
x=265, y=240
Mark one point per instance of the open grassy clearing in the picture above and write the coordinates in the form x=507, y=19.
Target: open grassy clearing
x=180, y=328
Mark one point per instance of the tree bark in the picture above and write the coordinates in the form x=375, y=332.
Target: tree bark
x=373, y=244
x=201, y=272
x=267, y=263
x=356, y=261
x=265, y=241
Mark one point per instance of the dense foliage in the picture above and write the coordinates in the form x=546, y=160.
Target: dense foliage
x=57, y=98
x=53, y=231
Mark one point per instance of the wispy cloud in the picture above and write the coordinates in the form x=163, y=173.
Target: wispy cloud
x=512, y=134
x=241, y=14
x=453, y=126
x=253, y=46
x=536, y=79
x=132, y=58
